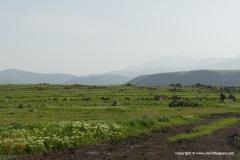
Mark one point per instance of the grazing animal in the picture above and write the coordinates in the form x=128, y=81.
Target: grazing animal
x=21, y=106
x=232, y=97
x=115, y=103
x=66, y=99
x=157, y=97
x=32, y=110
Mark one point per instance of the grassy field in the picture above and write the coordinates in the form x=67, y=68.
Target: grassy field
x=37, y=118
x=204, y=129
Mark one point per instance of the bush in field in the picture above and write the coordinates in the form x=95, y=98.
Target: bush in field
x=183, y=103
x=147, y=121
x=144, y=122
x=86, y=99
x=164, y=118
x=232, y=97
x=105, y=98
x=235, y=139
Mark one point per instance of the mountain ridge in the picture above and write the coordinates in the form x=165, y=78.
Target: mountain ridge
x=207, y=77
x=167, y=64
x=16, y=76
x=176, y=63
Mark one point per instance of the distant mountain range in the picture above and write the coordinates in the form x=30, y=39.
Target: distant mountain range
x=177, y=65
x=207, y=77
x=15, y=76
x=100, y=80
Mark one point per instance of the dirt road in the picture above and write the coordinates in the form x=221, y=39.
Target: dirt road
x=154, y=146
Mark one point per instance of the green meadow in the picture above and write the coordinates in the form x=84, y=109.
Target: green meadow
x=43, y=117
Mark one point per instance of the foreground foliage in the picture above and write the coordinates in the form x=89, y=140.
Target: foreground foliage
x=41, y=118
x=35, y=137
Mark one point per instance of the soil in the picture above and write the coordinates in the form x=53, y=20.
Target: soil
x=154, y=146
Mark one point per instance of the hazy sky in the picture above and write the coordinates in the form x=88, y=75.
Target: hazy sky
x=94, y=36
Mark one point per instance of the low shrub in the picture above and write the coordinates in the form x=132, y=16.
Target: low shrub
x=183, y=103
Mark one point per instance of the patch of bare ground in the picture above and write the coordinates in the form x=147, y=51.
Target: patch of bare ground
x=154, y=146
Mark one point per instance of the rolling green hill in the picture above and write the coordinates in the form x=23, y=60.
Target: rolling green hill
x=208, y=77
x=15, y=76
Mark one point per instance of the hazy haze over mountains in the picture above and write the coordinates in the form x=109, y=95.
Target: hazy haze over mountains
x=81, y=37
x=160, y=65
x=180, y=63
x=15, y=76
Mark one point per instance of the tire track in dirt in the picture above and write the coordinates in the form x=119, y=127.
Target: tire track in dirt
x=153, y=145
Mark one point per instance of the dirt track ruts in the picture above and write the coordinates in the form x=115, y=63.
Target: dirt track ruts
x=154, y=146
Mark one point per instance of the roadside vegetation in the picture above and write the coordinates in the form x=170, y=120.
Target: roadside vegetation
x=43, y=117
x=204, y=130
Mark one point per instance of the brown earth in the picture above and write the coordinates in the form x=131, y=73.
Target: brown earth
x=154, y=146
